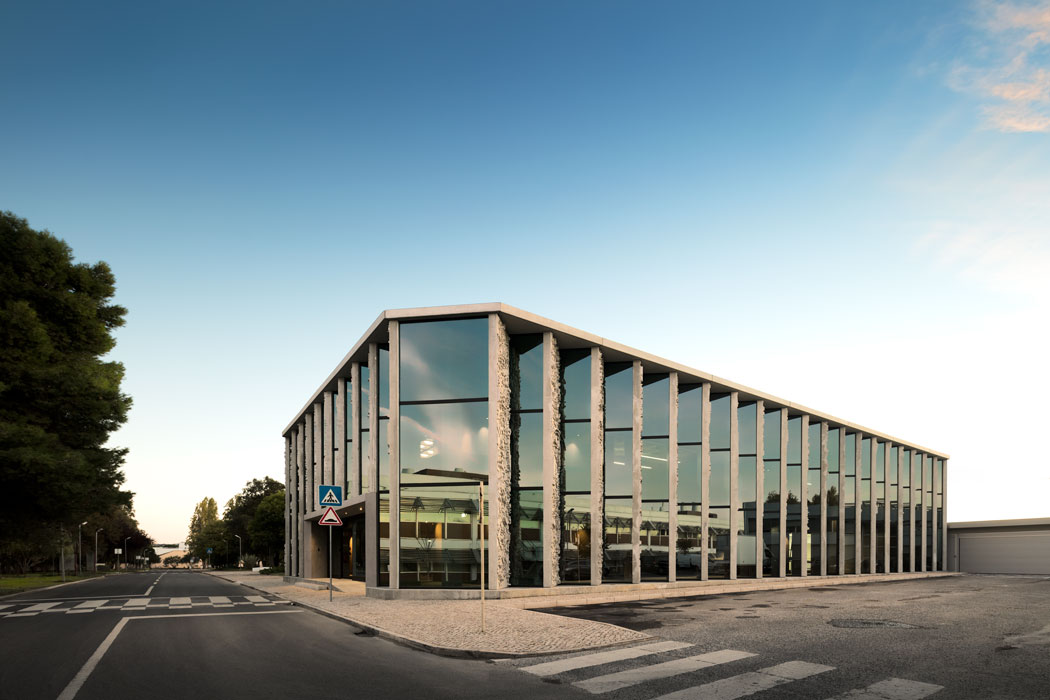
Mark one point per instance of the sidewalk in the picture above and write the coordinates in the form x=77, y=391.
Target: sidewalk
x=448, y=627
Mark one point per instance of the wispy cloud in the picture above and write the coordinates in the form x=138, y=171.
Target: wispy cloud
x=1009, y=70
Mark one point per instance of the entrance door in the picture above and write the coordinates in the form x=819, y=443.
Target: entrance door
x=352, y=549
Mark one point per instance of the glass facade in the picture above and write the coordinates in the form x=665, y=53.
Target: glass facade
x=880, y=504
x=656, y=477
x=690, y=483
x=748, y=528
x=814, y=486
x=894, y=513
x=719, y=502
x=770, y=498
x=526, y=460
x=905, y=508
x=576, y=471
x=831, y=550
x=795, y=549
x=617, y=557
x=849, y=499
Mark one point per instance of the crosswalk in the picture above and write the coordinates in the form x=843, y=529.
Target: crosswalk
x=79, y=607
x=746, y=683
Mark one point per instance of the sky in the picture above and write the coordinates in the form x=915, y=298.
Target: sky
x=843, y=204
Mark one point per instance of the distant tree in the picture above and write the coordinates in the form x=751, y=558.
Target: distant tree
x=267, y=527
x=59, y=401
x=204, y=516
x=240, y=510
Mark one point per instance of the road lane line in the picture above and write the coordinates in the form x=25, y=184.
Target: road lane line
x=90, y=604
x=550, y=668
x=634, y=676
x=749, y=683
x=893, y=689
x=78, y=681
x=136, y=603
x=39, y=607
x=150, y=589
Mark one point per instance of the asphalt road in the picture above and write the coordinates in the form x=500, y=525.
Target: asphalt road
x=190, y=635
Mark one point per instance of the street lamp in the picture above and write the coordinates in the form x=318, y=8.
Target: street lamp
x=126, y=553
x=80, y=545
x=238, y=550
x=96, y=549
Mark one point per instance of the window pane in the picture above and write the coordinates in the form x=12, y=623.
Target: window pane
x=689, y=475
x=720, y=422
x=384, y=382
x=618, y=481
x=526, y=377
x=447, y=439
x=690, y=399
x=576, y=371
x=655, y=474
x=576, y=540
x=577, y=456
x=526, y=545
x=444, y=360
x=365, y=412
x=619, y=397
x=747, y=428
x=440, y=536
x=618, y=564
x=656, y=405
x=527, y=448
x=654, y=541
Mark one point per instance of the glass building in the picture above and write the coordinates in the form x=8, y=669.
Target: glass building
x=483, y=438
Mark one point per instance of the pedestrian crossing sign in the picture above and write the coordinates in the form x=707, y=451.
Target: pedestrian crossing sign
x=330, y=495
x=330, y=517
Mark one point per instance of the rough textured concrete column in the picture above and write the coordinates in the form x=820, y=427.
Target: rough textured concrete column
x=804, y=497
x=672, y=473
x=734, y=486
x=287, y=502
x=354, y=464
x=873, y=519
x=300, y=453
x=392, y=432
x=887, y=520
x=373, y=416
x=498, y=491
x=372, y=537
x=923, y=488
x=945, y=564
x=308, y=466
x=842, y=505
x=900, y=508
x=597, y=464
x=760, y=484
x=705, y=472
x=783, y=417
x=858, y=508
x=318, y=463
x=914, y=508
x=341, y=457
x=933, y=511
x=551, y=461
x=824, y=497
x=328, y=439
x=636, y=472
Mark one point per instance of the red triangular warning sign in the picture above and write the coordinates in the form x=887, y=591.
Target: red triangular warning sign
x=329, y=517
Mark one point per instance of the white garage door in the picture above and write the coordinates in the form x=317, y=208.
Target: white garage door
x=1005, y=553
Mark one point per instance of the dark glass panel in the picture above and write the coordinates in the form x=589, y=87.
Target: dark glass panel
x=747, y=428
x=814, y=499
x=384, y=539
x=365, y=411
x=656, y=404
x=687, y=557
x=747, y=526
x=445, y=440
x=832, y=543
x=366, y=462
x=618, y=463
x=576, y=540
x=793, y=518
x=384, y=454
x=893, y=510
x=576, y=374
x=384, y=382
x=690, y=407
x=619, y=396
x=906, y=507
x=577, y=456
x=444, y=360
x=771, y=498
x=527, y=450
x=719, y=483
x=720, y=421
x=526, y=537
x=526, y=372
x=617, y=566
x=655, y=474
x=440, y=536
x=718, y=543
x=849, y=498
x=655, y=540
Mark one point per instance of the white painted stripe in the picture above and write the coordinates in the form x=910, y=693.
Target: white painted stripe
x=23, y=614
x=255, y=598
x=6, y=605
x=749, y=683
x=602, y=657
x=39, y=607
x=218, y=599
x=180, y=601
x=80, y=612
x=91, y=604
x=150, y=589
x=893, y=689
x=137, y=603
x=623, y=679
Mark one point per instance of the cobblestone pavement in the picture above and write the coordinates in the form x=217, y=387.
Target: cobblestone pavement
x=452, y=625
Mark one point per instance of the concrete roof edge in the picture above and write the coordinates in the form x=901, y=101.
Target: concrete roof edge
x=1016, y=522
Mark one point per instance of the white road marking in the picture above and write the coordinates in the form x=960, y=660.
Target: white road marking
x=550, y=668
x=220, y=601
x=255, y=598
x=622, y=679
x=136, y=603
x=180, y=601
x=6, y=605
x=92, y=604
x=23, y=614
x=893, y=689
x=150, y=589
x=77, y=683
x=39, y=607
x=749, y=683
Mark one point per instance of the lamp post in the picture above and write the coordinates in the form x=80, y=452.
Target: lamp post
x=96, y=549
x=80, y=546
x=238, y=550
x=126, y=553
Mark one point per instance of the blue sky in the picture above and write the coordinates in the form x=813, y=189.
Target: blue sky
x=844, y=204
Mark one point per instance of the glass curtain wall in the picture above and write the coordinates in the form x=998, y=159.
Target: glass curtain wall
x=813, y=544
x=771, y=496
x=384, y=415
x=618, y=563
x=526, y=460
x=748, y=526
x=576, y=530
x=917, y=509
x=864, y=509
x=849, y=499
x=927, y=485
x=942, y=558
x=794, y=550
x=444, y=452
x=832, y=497
x=906, y=499
x=880, y=508
x=690, y=483
x=656, y=477
x=348, y=447
x=719, y=502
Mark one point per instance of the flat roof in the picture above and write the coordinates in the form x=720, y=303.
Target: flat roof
x=1019, y=522
x=520, y=321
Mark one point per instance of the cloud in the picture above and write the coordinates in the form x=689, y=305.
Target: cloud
x=1012, y=77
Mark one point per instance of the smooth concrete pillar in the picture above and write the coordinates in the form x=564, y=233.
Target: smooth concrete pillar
x=705, y=474
x=760, y=482
x=354, y=463
x=373, y=480
x=300, y=436
x=824, y=497
x=946, y=565
x=287, y=502
x=341, y=457
x=842, y=504
x=783, y=418
x=394, y=467
x=498, y=490
x=372, y=536
x=900, y=508
x=597, y=464
x=734, y=486
x=551, y=451
x=328, y=439
x=804, y=497
x=873, y=510
x=318, y=472
x=935, y=484
x=858, y=508
x=672, y=473
x=887, y=511
x=636, y=472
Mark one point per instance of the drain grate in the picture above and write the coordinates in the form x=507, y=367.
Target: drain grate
x=871, y=624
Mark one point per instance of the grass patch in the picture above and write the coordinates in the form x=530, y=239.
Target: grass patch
x=17, y=584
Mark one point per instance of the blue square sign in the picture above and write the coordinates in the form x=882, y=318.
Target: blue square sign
x=330, y=495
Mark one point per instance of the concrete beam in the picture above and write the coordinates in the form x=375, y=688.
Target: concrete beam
x=552, y=440
x=597, y=464
x=392, y=432
x=636, y=472
x=672, y=474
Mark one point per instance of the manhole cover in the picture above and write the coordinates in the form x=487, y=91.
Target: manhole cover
x=871, y=624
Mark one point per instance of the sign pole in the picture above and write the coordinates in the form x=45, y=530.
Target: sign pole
x=481, y=526
x=329, y=564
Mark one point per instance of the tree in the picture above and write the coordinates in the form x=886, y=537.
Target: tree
x=205, y=515
x=267, y=527
x=240, y=510
x=59, y=402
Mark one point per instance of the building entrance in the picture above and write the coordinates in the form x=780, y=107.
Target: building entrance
x=351, y=538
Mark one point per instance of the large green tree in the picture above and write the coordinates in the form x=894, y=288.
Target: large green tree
x=267, y=528
x=59, y=400
x=240, y=511
x=202, y=522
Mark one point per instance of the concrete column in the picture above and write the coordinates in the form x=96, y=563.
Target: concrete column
x=318, y=473
x=636, y=472
x=328, y=439
x=308, y=466
x=900, y=508
x=783, y=490
x=597, y=464
x=804, y=495
x=552, y=456
x=287, y=502
x=341, y=458
x=760, y=484
x=858, y=509
x=307, y=480
x=734, y=487
x=923, y=530
x=886, y=507
x=498, y=491
x=842, y=504
x=392, y=432
x=373, y=415
x=933, y=511
x=946, y=565
x=824, y=497
x=300, y=483
x=372, y=537
x=873, y=516
x=672, y=472
x=354, y=461
x=705, y=473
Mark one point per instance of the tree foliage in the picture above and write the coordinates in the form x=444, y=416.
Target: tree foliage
x=205, y=516
x=256, y=514
x=59, y=401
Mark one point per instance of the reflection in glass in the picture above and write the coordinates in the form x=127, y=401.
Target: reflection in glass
x=617, y=562
x=905, y=482
x=576, y=539
x=718, y=522
x=656, y=392
x=894, y=512
x=689, y=547
x=690, y=398
x=654, y=540
x=576, y=375
x=618, y=460
x=384, y=539
x=445, y=439
x=849, y=499
x=813, y=523
x=832, y=548
x=526, y=460
x=526, y=540
x=577, y=458
x=794, y=549
x=619, y=395
x=771, y=497
x=864, y=509
x=655, y=474
x=526, y=372
x=928, y=501
x=384, y=381
x=881, y=506
x=720, y=421
x=444, y=360
x=440, y=535
x=576, y=534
